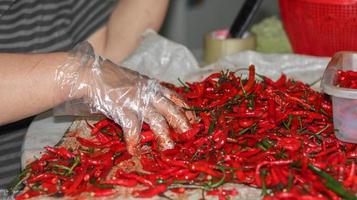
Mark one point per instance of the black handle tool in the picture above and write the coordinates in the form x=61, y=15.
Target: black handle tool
x=244, y=18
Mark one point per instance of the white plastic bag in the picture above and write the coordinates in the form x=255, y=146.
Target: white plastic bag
x=165, y=60
x=160, y=58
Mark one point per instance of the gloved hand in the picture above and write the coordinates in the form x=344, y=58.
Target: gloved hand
x=125, y=96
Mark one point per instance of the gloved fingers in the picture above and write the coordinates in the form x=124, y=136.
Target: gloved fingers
x=173, y=114
x=131, y=125
x=179, y=101
x=160, y=128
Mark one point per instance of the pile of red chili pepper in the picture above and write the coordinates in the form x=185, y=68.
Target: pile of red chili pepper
x=347, y=79
x=274, y=135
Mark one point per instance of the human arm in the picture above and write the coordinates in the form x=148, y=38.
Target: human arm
x=40, y=81
x=27, y=84
x=123, y=32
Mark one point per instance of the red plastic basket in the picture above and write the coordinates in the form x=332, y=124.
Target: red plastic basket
x=320, y=27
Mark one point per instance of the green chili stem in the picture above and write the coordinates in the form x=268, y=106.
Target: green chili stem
x=18, y=180
x=288, y=124
x=243, y=90
x=76, y=162
x=290, y=182
x=243, y=131
x=102, y=186
x=229, y=168
x=316, y=81
x=211, y=127
x=332, y=183
x=300, y=122
x=220, y=182
x=62, y=167
x=263, y=174
x=265, y=144
x=322, y=130
x=178, y=185
x=184, y=85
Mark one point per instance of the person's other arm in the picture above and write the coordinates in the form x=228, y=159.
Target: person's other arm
x=124, y=30
x=27, y=84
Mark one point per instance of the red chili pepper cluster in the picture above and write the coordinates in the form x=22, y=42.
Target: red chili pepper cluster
x=347, y=79
x=275, y=135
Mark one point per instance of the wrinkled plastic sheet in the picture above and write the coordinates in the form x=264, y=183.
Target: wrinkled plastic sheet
x=160, y=58
x=165, y=60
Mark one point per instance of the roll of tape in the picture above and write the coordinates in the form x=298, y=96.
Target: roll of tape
x=217, y=45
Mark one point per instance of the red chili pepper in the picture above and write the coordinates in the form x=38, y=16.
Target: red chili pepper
x=41, y=177
x=268, y=81
x=220, y=138
x=271, y=111
x=206, y=120
x=190, y=134
x=89, y=161
x=121, y=182
x=196, y=91
x=77, y=180
x=257, y=170
x=291, y=144
x=281, y=81
x=185, y=174
x=351, y=154
x=49, y=187
x=248, y=153
x=139, y=179
x=87, y=143
x=27, y=195
x=101, y=138
x=219, y=102
x=251, y=81
x=213, y=76
x=173, y=162
x=299, y=101
x=103, y=192
x=245, y=122
x=259, y=133
x=188, y=176
x=124, y=156
x=346, y=79
x=61, y=151
x=38, y=165
x=151, y=192
x=117, y=147
x=205, y=167
x=101, y=124
x=223, y=192
x=147, y=136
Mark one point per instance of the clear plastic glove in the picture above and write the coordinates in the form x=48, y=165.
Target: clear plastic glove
x=125, y=96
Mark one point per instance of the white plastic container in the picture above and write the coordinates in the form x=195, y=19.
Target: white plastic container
x=344, y=100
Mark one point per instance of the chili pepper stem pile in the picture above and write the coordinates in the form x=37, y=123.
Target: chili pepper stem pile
x=274, y=135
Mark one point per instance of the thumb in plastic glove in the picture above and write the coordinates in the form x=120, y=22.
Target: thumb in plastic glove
x=123, y=95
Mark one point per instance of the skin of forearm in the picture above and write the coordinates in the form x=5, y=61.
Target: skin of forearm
x=27, y=85
x=124, y=30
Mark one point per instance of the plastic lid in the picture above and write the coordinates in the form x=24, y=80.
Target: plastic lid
x=335, y=2
x=340, y=61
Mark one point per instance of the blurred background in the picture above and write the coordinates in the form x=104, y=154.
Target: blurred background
x=314, y=27
x=188, y=21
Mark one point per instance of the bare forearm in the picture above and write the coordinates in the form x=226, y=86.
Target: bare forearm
x=27, y=84
x=128, y=22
